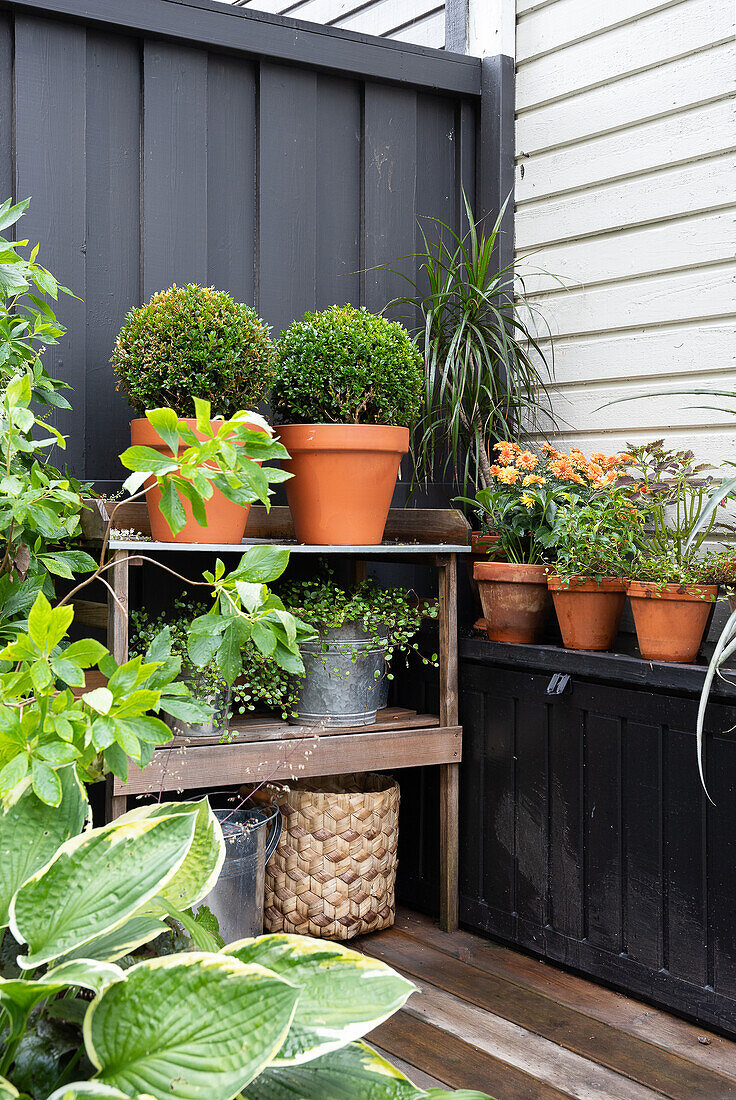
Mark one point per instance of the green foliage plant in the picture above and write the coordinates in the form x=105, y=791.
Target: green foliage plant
x=228, y=456
x=192, y=342
x=598, y=538
x=347, y=366
x=266, y=1018
x=390, y=617
x=40, y=507
x=485, y=372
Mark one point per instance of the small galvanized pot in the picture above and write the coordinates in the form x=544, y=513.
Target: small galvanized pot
x=344, y=683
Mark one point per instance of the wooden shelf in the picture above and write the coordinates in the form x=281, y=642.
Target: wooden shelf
x=265, y=727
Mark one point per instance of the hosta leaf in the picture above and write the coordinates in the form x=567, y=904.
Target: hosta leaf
x=95, y=1088
x=344, y=994
x=31, y=832
x=95, y=882
x=18, y=996
x=121, y=941
x=203, y=862
x=354, y=1072
x=189, y=1026
x=8, y=1091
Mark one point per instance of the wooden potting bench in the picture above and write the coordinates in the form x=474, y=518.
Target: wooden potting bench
x=262, y=748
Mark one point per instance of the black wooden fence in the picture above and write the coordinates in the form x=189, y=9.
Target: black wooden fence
x=171, y=141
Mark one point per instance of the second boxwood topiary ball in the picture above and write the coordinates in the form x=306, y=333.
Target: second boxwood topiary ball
x=194, y=341
x=347, y=366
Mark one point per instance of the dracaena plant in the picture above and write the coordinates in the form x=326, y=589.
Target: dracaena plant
x=229, y=457
x=267, y=1018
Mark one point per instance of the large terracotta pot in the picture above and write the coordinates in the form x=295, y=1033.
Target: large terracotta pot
x=516, y=601
x=671, y=620
x=589, y=612
x=344, y=478
x=225, y=520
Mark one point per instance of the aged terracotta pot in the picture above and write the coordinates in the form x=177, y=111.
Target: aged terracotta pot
x=480, y=544
x=344, y=478
x=671, y=620
x=589, y=613
x=516, y=601
x=225, y=520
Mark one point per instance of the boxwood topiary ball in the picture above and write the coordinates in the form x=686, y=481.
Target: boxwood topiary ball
x=189, y=342
x=347, y=366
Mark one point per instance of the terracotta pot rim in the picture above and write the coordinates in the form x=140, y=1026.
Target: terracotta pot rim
x=582, y=583
x=648, y=590
x=143, y=432
x=510, y=572
x=344, y=437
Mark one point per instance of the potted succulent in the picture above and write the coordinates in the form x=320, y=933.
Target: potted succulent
x=671, y=589
x=348, y=387
x=596, y=541
x=358, y=633
x=523, y=505
x=191, y=360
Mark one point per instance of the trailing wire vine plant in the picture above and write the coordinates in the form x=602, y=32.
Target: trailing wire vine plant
x=486, y=374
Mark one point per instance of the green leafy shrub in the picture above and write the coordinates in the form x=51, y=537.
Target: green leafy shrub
x=347, y=366
x=191, y=342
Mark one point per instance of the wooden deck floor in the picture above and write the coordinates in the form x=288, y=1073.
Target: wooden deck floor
x=491, y=1019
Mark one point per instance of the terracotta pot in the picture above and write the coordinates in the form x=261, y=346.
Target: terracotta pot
x=344, y=478
x=589, y=613
x=515, y=599
x=225, y=520
x=480, y=544
x=670, y=621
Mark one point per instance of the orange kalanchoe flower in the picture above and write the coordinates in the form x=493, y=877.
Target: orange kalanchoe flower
x=527, y=460
x=508, y=475
x=533, y=479
x=495, y=471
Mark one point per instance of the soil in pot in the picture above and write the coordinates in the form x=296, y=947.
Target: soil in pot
x=343, y=683
x=225, y=520
x=516, y=601
x=671, y=620
x=589, y=612
x=344, y=478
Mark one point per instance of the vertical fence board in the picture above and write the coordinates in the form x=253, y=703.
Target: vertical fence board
x=174, y=166
x=287, y=193
x=643, y=842
x=338, y=173
x=721, y=899
x=566, y=820
x=531, y=810
x=472, y=797
x=231, y=176
x=50, y=67
x=497, y=835
x=113, y=235
x=6, y=106
x=390, y=165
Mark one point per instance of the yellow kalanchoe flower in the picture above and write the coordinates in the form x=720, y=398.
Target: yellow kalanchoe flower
x=508, y=475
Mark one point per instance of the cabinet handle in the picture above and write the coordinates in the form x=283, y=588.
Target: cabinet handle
x=559, y=684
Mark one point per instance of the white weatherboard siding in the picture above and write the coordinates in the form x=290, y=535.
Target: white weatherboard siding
x=419, y=21
x=626, y=190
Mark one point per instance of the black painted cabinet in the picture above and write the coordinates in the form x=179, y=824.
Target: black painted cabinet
x=585, y=834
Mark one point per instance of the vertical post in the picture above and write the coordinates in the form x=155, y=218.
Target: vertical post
x=117, y=643
x=449, y=716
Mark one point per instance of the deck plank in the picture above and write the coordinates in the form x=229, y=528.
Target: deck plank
x=641, y=1061
x=705, y=1048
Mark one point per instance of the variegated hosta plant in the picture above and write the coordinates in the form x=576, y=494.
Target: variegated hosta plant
x=273, y=1018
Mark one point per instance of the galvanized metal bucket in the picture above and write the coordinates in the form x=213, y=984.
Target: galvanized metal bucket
x=343, y=685
x=251, y=834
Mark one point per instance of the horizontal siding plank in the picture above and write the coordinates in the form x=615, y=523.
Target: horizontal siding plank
x=705, y=185
x=383, y=16
x=672, y=245
x=644, y=43
x=569, y=21
x=711, y=444
x=686, y=136
x=429, y=31
x=659, y=299
x=657, y=353
x=655, y=93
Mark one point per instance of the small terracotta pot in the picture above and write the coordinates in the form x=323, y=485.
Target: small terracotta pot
x=589, y=612
x=671, y=620
x=225, y=520
x=516, y=601
x=344, y=478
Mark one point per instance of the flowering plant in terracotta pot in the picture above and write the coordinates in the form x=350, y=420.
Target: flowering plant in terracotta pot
x=348, y=388
x=671, y=589
x=190, y=360
x=524, y=505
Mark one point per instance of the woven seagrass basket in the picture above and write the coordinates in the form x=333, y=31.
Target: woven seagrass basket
x=334, y=870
